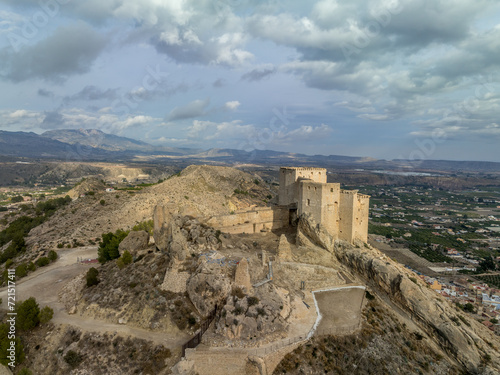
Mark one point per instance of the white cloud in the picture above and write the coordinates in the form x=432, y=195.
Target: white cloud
x=232, y=105
x=75, y=118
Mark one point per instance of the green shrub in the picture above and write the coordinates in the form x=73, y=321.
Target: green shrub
x=46, y=314
x=261, y=311
x=238, y=292
x=8, y=263
x=238, y=310
x=119, y=263
x=369, y=296
x=92, y=277
x=28, y=313
x=91, y=193
x=73, y=359
x=21, y=270
x=102, y=202
x=31, y=266
x=25, y=371
x=469, y=307
x=52, y=255
x=16, y=199
x=108, y=247
x=239, y=191
x=147, y=226
x=252, y=301
x=126, y=257
x=42, y=262
x=60, y=245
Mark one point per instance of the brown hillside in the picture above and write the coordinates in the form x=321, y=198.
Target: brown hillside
x=197, y=190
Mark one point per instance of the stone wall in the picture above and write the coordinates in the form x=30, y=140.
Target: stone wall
x=254, y=221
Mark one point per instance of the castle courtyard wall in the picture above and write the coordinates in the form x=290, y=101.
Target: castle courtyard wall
x=253, y=221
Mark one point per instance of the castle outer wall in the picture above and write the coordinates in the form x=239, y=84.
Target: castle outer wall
x=263, y=219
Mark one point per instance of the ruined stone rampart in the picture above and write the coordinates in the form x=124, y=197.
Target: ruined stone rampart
x=260, y=219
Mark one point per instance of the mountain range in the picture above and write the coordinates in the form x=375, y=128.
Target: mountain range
x=95, y=145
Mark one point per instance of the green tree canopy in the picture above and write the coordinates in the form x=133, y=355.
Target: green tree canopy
x=92, y=277
x=108, y=247
x=27, y=314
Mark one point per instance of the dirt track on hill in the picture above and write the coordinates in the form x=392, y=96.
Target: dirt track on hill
x=45, y=284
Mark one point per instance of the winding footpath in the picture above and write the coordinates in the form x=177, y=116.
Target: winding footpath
x=45, y=284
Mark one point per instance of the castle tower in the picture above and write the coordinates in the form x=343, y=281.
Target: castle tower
x=289, y=177
x=321, y=201
x=353, y=224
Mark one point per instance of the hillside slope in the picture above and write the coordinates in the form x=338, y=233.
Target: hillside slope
x=197, y=190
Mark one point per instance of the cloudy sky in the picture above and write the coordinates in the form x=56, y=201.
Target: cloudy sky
x=385, y=78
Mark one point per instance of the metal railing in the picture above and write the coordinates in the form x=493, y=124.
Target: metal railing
x=196, y=339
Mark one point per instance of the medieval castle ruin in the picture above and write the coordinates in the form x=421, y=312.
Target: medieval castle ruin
x=343, y=213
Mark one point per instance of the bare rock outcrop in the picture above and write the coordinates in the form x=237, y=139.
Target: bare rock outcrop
x=135, y=241
x=309, y=232
x=255, y=317
x=207, y=287
x=182, y=234
x=171, y=238
x=467, y=342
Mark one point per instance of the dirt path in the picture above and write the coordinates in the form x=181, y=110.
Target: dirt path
x=45, y=284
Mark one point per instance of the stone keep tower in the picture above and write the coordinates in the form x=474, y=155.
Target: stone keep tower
x=343, y=213
x=289, y=182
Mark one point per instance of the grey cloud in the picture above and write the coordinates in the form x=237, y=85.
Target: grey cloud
x=191, y=110
x=164, y=89
x=220, y=82
x=258, y=74
x=52, y=120
x=45, y=93
x=91, y=93
x=69, y=50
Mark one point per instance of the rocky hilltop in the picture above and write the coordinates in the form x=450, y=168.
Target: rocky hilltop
x=197, y=190
x=291, y=300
